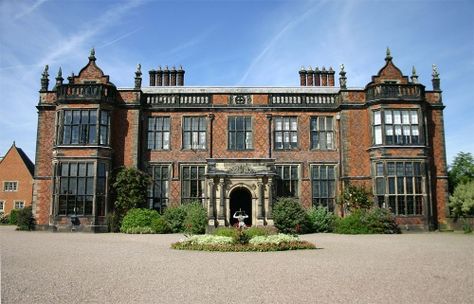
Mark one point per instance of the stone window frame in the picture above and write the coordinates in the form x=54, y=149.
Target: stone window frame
x=159, y=132
x=403, y=133
x=246, y=130
x=388, y=181
x=328, y=200
x=18, y=204
x=200, y=182
x=279, y=178
x=101, y=128
x=202, y=129
x=163, y=200
x=330, y=133
x=283, y=132
x=10, y=186
x=99, y=193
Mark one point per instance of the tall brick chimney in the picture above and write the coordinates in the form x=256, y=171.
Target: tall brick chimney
x=173, y=76
x=310, y=77
x=324, y=77
x=166, y=77
x=302, y=73
x=180, y=76
x=159, y=77
x=317, y=77
x=331, y=77
x=152, y=78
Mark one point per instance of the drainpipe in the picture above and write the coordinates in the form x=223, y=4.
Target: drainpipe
x=269, y=118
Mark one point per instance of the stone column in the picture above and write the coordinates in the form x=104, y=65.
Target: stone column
x=269, y=203
x=211, y=207
x=260, y=204
x=221, y=216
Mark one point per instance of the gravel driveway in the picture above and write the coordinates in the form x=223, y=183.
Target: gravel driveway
x=45, y=267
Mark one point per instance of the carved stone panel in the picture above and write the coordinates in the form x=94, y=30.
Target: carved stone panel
x=240, y=99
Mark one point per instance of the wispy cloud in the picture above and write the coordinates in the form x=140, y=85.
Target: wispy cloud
x=29, y=9
x=82, y=37
x=108, y=43
x=273, y=42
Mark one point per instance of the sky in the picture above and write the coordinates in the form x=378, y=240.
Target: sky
x=234, y=43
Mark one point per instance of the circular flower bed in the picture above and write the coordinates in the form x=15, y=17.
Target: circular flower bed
x=276, y=242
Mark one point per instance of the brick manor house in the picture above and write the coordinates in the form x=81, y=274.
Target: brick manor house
x=240, y=147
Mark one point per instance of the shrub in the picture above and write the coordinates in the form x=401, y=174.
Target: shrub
x=352, y=224
x=462, y=200
x=377, y=220
x=195, y=221
x=4, y=219
x=138, y=218
x=289, y=216
x=356, y=197
x=113, y=222
x=321, y=219
x=12, y=218
x=175, y=217
x=381, y=220
x=25, y=219
x=160, y=225
x=130, y=187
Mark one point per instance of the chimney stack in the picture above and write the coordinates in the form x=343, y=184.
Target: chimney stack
x=324, y=76
x=331, y=77
x=173, y=76
x=152, y=78
x=180, y=76
x=302, y=73
x=166, y=77
x=159, y=77
x=310, y=77
x=317, y=77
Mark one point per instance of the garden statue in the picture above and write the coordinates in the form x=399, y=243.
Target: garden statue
x=240, y=216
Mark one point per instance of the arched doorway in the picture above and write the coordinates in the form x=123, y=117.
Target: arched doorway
x=241, y=199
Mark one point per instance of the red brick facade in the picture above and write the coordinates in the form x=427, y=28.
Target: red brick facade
x=16, y=180
x=358, y=145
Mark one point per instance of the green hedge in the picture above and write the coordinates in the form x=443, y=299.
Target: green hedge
x=138, y=218
x=376, y=220
x=25, y=219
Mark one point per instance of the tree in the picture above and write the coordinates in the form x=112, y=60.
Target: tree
x=462, y=200
x=461, y=171
x=130, y=187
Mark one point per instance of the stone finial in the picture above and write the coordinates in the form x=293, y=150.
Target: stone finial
x=59, y=78
x=436, y=81
x=330, y=69
x=413, y=77
x=92, y=55
x=388, y=55
x=342, y=78
x=435, y=72
x=138, y=77
x=70, y=78
x=45, y=79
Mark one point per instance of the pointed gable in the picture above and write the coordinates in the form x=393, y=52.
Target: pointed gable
x=91, y=73
x=389, y=73
x=16, y=156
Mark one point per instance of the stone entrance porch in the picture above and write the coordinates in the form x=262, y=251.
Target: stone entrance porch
x=226, y=178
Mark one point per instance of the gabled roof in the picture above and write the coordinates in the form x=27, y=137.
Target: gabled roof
x=389, y=72
x=26, y=160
